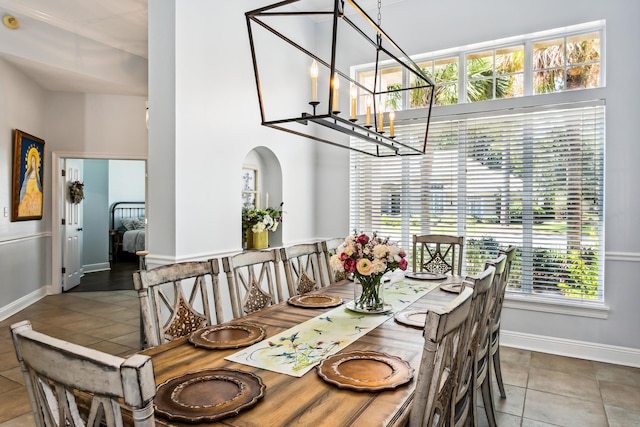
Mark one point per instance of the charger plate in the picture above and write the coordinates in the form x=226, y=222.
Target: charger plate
x=416, y=318
x=315, y=301
x=227, y=336
x=424, y=275
x=454, y=288
x=365, y=371
x=208, y=395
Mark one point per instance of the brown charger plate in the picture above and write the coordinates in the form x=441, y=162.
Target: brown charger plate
x=208, y=395
x=227, y=336
x=315, y=301
x=416, y=318
x=424, y=275
x=365, y=371
x=454, y=288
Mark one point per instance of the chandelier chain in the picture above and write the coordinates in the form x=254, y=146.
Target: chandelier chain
x=379, y=13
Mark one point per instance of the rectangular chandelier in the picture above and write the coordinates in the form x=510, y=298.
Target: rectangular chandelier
x=302, y=59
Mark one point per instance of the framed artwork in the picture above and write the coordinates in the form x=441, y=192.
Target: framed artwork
x=250, y=187
x=28, y=177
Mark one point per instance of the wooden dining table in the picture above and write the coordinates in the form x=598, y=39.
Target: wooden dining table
x=308, y=400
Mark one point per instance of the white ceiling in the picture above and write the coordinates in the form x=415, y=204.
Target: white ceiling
x=118, y=24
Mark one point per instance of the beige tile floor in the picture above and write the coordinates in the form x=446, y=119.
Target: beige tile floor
x=542, y=389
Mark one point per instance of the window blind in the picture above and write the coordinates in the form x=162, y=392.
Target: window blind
x=532, y=178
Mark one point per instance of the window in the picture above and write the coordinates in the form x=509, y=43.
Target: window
x=566, y=63
x=554, y=61
x=532, y=177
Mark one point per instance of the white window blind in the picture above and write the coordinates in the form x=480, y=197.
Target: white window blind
x=529, y=177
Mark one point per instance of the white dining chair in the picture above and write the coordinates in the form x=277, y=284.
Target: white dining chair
x=302, y=268
x=445, y=346
x=174, y=299
x=328, y=248
x=254, y=282
x=465, y=396
x=510, y=253
x=436, y=253
x=57, y=371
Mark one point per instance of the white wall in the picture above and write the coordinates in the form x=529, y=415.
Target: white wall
x=203, y=138
x=24, y=245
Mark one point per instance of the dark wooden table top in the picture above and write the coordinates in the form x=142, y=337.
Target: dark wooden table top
x=308, y=400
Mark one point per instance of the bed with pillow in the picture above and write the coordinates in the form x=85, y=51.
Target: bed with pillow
x=128, y=221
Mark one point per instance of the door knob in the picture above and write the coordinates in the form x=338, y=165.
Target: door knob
x=80, y=229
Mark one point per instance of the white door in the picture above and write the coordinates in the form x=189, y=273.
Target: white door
x=71, y=228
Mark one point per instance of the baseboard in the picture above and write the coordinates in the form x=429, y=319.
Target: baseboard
x=22, y=303
x=572, y=348
x=92, y=268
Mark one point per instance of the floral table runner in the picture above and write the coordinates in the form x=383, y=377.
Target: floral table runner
x=298, y=349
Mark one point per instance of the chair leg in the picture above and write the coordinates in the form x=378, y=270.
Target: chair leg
x=497, y=369
x=487, y=397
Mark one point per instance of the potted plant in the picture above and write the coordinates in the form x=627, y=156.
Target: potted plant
x=257, y=223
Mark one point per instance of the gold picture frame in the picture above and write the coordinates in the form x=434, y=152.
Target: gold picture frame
x=28, y=177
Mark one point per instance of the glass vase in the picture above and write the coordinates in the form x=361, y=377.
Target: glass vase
x=368, y=294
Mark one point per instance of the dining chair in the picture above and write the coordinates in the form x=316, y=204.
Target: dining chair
x=328, y=248
x=445, y=346
x=465, y=397
x=483, y=363
x=302, y=268
x=510, y=253
x=55, y=371
x=254, y=280
x=167, y=313
x=436, y=253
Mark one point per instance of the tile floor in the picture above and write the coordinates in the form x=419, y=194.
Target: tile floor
x=542, y=389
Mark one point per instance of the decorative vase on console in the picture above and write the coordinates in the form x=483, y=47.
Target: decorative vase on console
x=368, y=259
x=257, y=223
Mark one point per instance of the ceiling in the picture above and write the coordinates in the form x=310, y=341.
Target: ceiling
x=121, y=25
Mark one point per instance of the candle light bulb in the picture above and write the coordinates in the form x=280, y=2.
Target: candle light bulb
x=336, y=86
x=368, y=116
x=314, y=81
x=392, y=117
x=354, y=95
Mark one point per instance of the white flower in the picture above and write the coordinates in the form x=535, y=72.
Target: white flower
x=258, y=227
x=379, y=266
x=380, y=251
x=336, y=264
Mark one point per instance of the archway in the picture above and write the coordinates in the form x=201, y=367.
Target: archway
x=268, y=183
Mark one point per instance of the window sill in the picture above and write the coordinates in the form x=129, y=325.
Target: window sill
x=594, y=310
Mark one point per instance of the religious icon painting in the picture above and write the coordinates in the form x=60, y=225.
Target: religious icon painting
x=28, y=177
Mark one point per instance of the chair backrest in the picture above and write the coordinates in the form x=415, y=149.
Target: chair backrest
x=167, y=313
x=54, y=370
x=329, y=247
x=254, y=280
x=478, y=323
x=436, y=253
x=503, y=269
x=445, y=333
x=302, y=268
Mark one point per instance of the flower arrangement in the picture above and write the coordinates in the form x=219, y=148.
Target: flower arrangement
x=259, y=220
x=76, y=191
x=368, y=258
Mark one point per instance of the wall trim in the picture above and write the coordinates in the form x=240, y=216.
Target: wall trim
x=92, y=268
x=21, y=239
x=22, y=303
x=565, y=347
x=622, y=256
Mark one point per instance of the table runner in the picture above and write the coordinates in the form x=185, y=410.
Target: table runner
x=297, y=350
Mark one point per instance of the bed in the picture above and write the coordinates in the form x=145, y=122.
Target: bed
x=127, y=228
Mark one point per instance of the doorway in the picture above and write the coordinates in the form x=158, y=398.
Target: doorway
x=105, y=180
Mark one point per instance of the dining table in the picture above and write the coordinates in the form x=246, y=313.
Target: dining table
x=308, y=400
